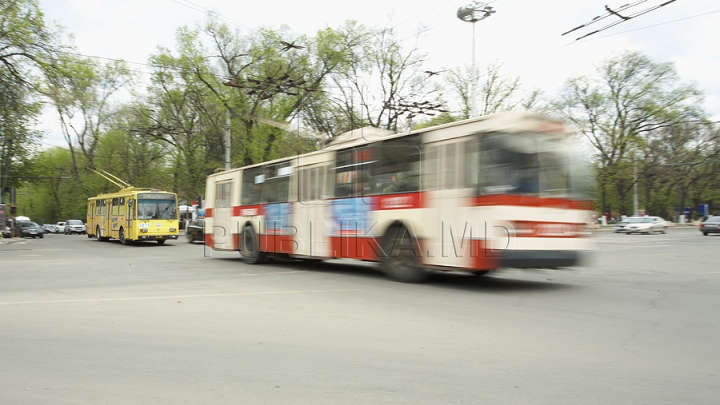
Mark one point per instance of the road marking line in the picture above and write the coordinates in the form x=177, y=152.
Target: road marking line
x=165, y=297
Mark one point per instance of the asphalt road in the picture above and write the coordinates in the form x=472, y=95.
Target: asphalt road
x=83, y=322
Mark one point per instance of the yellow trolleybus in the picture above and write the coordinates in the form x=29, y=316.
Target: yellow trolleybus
x=132, y=214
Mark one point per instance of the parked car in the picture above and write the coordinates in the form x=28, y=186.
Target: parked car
x=195, y=231
x=31, y=229
x=60, y=227
x=645, y=225
x=620, y=226
x=710, y=225
x=50, y=228
x=75, y=226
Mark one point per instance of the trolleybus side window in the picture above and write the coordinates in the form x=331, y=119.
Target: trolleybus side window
x=277, y=182
x=472, y=162
x=345, y=173
x=430, y=168
x=312, y=184
x=252, y=186
x=303, y=184
x=115, y=206
x=395, y=167
x=222, y=195
x=121, y=206
x=449, y=165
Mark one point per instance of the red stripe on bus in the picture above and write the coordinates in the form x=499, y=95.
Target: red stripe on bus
x=208, y=212
x=277, y=243
x=248, y=210
x=354, y=247
x=530, y=201
x=397, y=201
x=538, y=229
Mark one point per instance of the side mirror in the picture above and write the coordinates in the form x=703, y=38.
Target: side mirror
x=131, y=203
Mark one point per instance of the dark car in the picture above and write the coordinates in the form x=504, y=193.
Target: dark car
x=710, y=225
x=31, y=229
x=195, y=231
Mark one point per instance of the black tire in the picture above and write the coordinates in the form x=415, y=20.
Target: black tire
x=42, y=236
x=97, y=234
x=705, y=233
x=250, y=248
x=399, y=257
x=122, y=237
x=161, y=242
x=189, y=238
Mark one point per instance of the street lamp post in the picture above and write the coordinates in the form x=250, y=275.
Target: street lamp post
x=473, y=13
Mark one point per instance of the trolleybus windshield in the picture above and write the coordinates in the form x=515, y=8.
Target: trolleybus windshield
x=518, y=164
x=156, y=206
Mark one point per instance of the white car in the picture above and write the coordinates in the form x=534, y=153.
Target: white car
x=645, y=225
x=60, y=227
x=74, y=226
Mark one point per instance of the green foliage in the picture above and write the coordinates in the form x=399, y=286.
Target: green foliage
x=623, y=111
x=279, y=94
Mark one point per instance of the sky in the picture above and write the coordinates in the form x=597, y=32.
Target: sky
x=523, y=35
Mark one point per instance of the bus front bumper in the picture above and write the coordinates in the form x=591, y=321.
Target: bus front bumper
x=538, y=259
x=156, y=237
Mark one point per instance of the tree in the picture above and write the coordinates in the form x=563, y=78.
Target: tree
x=630, y=96
x=497, y=91
x=81, y=90
x=25, y=40
x=380, y=79
x=27, y=45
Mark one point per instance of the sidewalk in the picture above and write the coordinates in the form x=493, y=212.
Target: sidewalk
x=11, y=241
x=597, y=227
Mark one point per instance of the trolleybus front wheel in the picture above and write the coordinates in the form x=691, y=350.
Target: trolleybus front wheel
x=122, y=237
x=250, y=248
x=399, y=257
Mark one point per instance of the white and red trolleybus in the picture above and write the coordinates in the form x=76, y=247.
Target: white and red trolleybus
x=474, y=195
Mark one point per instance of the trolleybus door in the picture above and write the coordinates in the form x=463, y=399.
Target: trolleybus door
x=310, y=212
x=222, y=216
x=450, y=229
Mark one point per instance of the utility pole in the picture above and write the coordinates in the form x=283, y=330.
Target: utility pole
x=473, y=13
x=227, y=140
x=635, y=193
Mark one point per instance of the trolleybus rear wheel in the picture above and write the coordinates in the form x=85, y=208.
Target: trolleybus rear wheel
x=161, y=241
